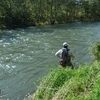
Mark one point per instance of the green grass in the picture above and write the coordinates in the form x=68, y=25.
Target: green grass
x=67, y=84
x=95, y=51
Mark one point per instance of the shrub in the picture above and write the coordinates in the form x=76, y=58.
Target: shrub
x=95, y=50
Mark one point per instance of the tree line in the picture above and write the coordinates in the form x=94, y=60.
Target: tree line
x=18, y=13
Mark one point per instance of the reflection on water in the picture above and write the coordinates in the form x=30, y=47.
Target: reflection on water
x=25, y=54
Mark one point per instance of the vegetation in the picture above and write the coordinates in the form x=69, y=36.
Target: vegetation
x=19, y=13
x=95, y=50
x=67, y=84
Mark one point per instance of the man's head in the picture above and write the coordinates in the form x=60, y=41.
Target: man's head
x=65, y=44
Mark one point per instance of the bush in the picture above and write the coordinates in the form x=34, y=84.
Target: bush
x=95, y=50
x=67, y=84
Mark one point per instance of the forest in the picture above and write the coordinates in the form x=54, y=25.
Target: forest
x=23, y=13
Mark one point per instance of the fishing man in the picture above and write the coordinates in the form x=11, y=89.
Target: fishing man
x=65, y=56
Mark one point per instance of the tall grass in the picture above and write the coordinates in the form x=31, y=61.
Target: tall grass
x=95, y=51
x=67, y=84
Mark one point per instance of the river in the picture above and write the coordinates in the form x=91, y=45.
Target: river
x=27, y=53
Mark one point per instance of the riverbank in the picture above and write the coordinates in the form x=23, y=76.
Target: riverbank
x=30, y=13
x=67, y=84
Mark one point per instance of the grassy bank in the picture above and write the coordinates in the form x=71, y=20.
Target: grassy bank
x=67, y=84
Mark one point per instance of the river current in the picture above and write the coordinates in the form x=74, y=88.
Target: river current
x=26, y=54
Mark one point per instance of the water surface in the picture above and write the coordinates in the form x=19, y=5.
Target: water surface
x=26, y=53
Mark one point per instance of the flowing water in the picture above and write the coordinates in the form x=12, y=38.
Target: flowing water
x=26, y=53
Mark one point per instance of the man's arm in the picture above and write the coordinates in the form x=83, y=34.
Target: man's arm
x=58, y=54
x=72, y=55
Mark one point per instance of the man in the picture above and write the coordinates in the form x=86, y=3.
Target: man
x=65, y=56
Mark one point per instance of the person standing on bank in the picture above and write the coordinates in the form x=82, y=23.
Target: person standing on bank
x=65, y=56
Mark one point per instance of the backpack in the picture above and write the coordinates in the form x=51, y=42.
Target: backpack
x=64, y=57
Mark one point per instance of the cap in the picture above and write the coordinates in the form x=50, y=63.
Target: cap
x=65, y=44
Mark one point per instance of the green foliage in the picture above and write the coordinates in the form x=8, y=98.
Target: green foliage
x=33, y=12
x=95, y=50
x=51, y=83
x=68, y=84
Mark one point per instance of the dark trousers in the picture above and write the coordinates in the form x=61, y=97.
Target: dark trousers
x=68, y=63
